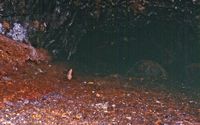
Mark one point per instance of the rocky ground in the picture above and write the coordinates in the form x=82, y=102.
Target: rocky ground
x=35, y=91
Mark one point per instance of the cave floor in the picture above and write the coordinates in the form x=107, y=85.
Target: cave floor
x=40, y=94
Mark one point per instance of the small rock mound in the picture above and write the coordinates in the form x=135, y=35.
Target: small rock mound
x=12, y=52
x=147, y=69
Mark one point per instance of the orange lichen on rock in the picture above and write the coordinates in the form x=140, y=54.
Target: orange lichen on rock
x=14, y=53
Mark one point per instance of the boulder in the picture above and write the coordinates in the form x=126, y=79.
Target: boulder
x=147, y=69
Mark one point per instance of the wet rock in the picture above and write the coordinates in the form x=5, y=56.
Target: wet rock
x=147, y=69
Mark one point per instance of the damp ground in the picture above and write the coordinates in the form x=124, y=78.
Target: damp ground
x=42, y=94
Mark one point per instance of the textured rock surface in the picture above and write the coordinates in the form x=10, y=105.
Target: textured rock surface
x=13, y=52
x=148, y=69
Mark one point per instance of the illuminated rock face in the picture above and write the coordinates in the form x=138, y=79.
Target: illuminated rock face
x=1, y=29
x=148, y=69
x=18, y=32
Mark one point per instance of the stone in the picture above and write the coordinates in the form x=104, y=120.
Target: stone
x=147, y=69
